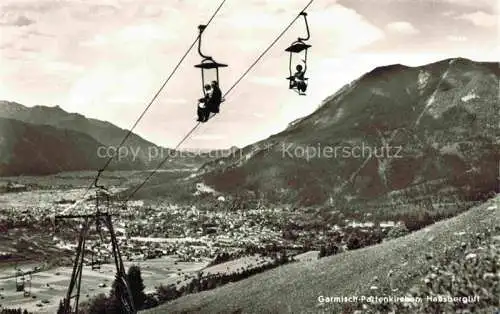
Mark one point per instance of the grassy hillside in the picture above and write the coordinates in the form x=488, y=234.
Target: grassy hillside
x=398, y=267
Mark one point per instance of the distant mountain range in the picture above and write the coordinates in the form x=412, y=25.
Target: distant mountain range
x=40, y=150
x=42, y=140
x=438, y=122
x=102, y=131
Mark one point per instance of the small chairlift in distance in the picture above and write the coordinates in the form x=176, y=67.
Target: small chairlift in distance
x=27, y=292
x=207, y=64
x=298, y=81
x=20, y=280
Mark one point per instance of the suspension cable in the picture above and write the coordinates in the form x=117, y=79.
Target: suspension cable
x=228, y=91
x=129, y=133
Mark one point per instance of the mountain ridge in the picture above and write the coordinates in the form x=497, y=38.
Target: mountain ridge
x=442, y=115
x=103, y=131
x=29, y=149
x=110, y=136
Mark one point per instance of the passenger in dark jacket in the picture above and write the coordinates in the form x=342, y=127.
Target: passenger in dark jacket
x=215, y=98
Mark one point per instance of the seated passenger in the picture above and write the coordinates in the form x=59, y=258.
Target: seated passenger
x=215, y=98
x=203, y=105
x=299, y=80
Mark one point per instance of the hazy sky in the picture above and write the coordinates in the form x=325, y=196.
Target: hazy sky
x=106, y=58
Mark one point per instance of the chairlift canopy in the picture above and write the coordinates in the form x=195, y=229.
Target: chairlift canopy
x=207, y=62
x=210, y=65
x=298, y=47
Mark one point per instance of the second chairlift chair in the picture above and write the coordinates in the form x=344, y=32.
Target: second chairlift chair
x=298, y=81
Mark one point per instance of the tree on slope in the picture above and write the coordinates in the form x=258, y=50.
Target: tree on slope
x=137, y=287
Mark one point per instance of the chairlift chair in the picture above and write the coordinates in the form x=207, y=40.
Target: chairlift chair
x=27, y=293
x=297, y=47
x=19, y=280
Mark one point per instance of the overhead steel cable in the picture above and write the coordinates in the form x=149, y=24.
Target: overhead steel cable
x=224, y=96
x=129, y=133
x=267, y=49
